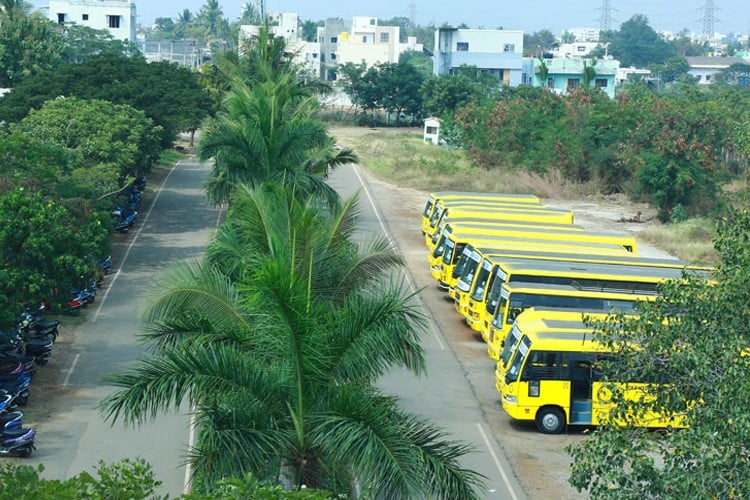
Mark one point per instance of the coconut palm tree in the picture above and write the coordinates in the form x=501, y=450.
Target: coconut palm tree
x=277, y=344
x=268, y=132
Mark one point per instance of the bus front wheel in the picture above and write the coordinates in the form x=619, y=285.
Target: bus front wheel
x=550, y=420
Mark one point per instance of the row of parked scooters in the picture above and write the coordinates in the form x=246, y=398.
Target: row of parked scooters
x=124, y=215
x=31, y=343
x=21, y=351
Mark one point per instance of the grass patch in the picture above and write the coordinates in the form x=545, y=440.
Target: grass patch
x=690, y=240
x=399, y=156
x=170, y=157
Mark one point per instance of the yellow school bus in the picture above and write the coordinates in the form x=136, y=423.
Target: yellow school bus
x=433, y=199
x=552, y=379
x=474, y=224
x=515, y=297
x=450, y=248
x=616, y=272
x=546, y=215
x=477, y=266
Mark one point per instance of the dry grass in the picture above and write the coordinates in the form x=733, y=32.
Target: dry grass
x=399, y=156
x=690, y=240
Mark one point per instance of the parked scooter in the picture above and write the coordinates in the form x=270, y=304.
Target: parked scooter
x=18, y=388
x=17, y=442
x=9, y=420
x=37, y=328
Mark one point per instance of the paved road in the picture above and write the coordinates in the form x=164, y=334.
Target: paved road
x=445, y=396
x=178, y=227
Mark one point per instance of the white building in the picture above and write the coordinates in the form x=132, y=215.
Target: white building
x=585, y=34
x=498, y=53
x=304, y=54
x=575, y=49
x=116, y=16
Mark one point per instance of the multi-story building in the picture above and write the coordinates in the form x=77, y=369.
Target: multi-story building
x=116, y=16
x=286, y=25
x=495, y=52
x=362, y=41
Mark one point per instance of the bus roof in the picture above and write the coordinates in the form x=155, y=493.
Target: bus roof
x=473, y=208
x=475, y=223
x=530, y=230
x=489, y=241
x=619, y=257
x=575, y=289
x=529, y=198
x=587, y=269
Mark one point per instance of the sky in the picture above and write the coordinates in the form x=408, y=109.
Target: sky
x=530, y=16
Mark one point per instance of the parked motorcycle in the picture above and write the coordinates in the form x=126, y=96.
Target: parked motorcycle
x=124, y=219
x=18, y=389
x=37, y=328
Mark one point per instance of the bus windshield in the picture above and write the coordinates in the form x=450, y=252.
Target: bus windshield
x=518, y=359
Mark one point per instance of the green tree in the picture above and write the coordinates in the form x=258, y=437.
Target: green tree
x=167, y=93
x=82, y=42
x=43, y=250
x=674, y=69
x=637, y=44
x=399, y=85
x=445, y=94
x=29, y=43
x=268, y=132
x=277, y=345
x=537, y=43
x=115, y=139
x=694, y=337
x=124, y=479
x=589, y=73
x=185, y=21
x=568, y=37
x=309, y=30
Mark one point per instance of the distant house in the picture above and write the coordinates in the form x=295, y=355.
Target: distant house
x=498, y=53
x=704, y=68
x=565, y=74
x=116, y=16
x=361, y=41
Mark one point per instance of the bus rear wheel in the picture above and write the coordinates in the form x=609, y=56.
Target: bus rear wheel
x=550, y=420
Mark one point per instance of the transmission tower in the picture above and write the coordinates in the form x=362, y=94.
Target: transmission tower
x=412, y=13
x=709, y=19
x=605, y=19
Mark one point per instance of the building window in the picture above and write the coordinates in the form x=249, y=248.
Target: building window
x=85, y=17
x=364, y=38
x=581, y=48
x=372, y=22
x=61, y=18
x=334, y=39
x=322, y=58
x=708, y=78
x=384, y=38
x=574, y=83
x=509, y=47
x=600, y=83
x=333, y=57
x=113, y=21
x=462, y=46
x=550, y=83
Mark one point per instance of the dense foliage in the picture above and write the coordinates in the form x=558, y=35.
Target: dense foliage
x=168, y=94
x=694, y=339
x=669, y=149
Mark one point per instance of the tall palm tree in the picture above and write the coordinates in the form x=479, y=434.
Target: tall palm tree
x=268, y=132
x=278, y=355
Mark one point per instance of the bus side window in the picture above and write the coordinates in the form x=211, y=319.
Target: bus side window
x=513, y=313
x=543, y=365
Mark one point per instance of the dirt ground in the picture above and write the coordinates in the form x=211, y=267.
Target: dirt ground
x=539, y=461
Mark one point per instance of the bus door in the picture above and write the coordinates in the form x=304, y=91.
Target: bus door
x=581, y=378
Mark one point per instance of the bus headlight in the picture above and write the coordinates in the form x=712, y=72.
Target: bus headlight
x=510, y=399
